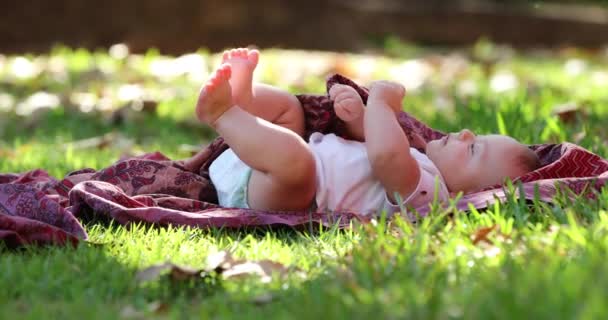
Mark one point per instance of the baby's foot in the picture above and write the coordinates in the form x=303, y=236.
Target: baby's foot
x=215, y=96
x=347, y=102
x=243, y=62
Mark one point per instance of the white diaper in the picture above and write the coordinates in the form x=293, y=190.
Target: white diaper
x=230, y=176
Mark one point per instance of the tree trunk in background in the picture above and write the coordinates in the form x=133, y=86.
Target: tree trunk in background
x=181, y=26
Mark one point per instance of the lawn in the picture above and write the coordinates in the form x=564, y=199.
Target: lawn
x=71, y=109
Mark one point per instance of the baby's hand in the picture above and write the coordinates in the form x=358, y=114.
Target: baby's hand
x=391, y=93
x=347, y=102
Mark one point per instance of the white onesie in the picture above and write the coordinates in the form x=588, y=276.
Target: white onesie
x=344, y=179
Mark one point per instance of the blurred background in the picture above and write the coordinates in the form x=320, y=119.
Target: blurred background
x=175, y=27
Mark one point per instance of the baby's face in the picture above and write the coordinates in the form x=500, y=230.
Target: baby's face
x=468, y=162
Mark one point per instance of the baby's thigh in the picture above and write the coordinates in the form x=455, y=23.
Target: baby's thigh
x=266, y=192
x=292, y=116
x=277, y=106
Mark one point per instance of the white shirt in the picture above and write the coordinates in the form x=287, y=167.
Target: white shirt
x=345, y=180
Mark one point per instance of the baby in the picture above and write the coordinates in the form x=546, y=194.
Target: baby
x=269, y=166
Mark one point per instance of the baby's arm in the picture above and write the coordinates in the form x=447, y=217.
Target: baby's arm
x=349, y=108
x=387, y=146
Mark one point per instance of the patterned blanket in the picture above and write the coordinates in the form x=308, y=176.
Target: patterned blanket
x=38, y=209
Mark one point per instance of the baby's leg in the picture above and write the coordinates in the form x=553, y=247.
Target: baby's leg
x=264, y=101
x=283, y=165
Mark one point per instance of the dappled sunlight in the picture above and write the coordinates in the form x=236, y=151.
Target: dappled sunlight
x=37, y=101
x=22, y=68
x=73, y=108
x=504, y=81
x=412, y=74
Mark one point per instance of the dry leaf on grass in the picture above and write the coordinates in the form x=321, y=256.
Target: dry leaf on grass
x=181, y=273
x=223, y=264
x=482, y=235
x=264, y=269
x=569, y=113
x=220, y=261
x=176, y=272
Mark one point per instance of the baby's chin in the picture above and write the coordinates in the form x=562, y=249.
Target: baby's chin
x=432, y=146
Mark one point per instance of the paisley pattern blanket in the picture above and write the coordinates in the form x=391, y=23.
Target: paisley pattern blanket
x=38, y=209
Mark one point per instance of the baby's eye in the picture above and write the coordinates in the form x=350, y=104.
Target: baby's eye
x=472, y=148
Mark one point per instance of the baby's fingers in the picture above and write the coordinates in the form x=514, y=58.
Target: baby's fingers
x=348, y=109
x=340, y=89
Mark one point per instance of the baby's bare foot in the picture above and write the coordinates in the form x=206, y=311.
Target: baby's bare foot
x=215, y=96
x=243, y=62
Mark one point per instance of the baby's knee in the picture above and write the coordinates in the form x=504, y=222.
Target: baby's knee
x=304, y=183
x=302, y=168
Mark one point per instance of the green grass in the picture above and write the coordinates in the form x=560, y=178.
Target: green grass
x=540, y=261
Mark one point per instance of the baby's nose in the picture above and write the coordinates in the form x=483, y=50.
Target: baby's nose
x=466, y=134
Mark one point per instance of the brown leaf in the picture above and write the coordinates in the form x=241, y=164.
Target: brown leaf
x=158, y=307
x=246, y=269
x=482, y=235
x=179, y=273
x=568, y=113
x=176, y=273
x=230, y=268
x=149, y=106
x=264, y=269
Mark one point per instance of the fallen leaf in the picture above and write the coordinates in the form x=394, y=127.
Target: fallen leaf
x=246, y=269
x=158, y=307
x=223, y=264
x=568, y=113
x=179, y=273
x=176, y=273
x=220, y=261
x=482, y=235
x=149, y=106
x=263, y=269
x=152, y=272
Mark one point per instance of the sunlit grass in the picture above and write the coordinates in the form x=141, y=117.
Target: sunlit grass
x=538, y=260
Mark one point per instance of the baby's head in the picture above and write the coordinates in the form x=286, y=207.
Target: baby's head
x=468, y=162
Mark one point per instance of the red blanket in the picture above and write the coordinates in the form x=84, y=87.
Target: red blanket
x=38, y=209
